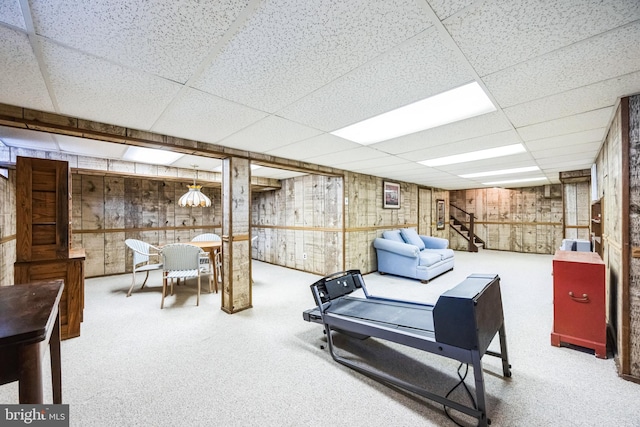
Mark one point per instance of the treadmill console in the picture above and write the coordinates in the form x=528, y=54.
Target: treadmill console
x=337, y=285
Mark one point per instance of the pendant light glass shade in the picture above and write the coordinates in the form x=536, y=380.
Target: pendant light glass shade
x=194, y=197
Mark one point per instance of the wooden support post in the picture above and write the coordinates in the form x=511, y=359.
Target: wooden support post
x=236, y=234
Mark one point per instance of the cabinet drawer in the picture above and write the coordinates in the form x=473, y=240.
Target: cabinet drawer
x=579, y=312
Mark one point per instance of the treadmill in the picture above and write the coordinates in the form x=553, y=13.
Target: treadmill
x=460, y=326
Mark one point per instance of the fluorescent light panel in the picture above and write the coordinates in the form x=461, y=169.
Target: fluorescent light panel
x=457, y=104
x=151, y=155
x=471, y=156
x=514, y=181
x=501, y=172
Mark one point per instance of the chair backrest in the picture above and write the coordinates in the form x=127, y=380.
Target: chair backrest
x=180, y=257
x=206, y=237
x=141, y=250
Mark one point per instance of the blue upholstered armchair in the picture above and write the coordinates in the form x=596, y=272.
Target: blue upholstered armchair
x=406, y=253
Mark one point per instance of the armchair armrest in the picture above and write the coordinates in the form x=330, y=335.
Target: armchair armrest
x=431, y=242
x=404, y=249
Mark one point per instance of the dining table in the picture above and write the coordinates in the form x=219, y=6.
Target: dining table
x=211, y=247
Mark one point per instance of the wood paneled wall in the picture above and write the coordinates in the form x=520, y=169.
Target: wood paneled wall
x=518, y=220
x=306, y=217
x=620, y=201
x=106, y=210
x=300, y=225
x=577, y=210
x=609, y=174
x=634, y=236
x=7, y=228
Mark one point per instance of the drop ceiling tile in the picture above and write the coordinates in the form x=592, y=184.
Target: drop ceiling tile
x=474, y=127
x=379, y=167
x=584, y=149
x=567, y=140
x=313, y=147
x=165, y=38
x=275, y=173
x=347, y=156
x=203, y=163
x=269, y=133
x=93, y=89
x=289, y=48
x=416, y=70
x=445, y=8
x=499, y=139
x=24, y=138
x=568, y=162
x=203, y=117
x=11, y=13
x=507, y=162
x=496, y=35
x=599, y=58
x=574, y=101
x=90, y=147
x=375, y=164
x=21, y=82
x=580, y=122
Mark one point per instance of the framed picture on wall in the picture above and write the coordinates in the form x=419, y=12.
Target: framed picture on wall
x=440, y=218
x=391, y=195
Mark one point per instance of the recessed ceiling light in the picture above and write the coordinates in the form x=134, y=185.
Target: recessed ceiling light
x=151, y=155
x=457, y=104
x=475, y=155
x=514, y=181
x=501, y=172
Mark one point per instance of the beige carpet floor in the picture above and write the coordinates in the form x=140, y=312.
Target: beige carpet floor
x=137, y=365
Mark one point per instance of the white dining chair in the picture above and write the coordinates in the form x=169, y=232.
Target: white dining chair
x=180, y=261
x=146, y=258
x=205, y=260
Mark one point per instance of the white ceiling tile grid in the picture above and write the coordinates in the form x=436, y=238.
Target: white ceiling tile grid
x=590, y=61
x=167, y=38
x=11, y=13
x=269, y=133
x=567, y=125
x=276, y=76
x=495, y=35
x=94, y=89
x=313, y=147
x=21, y=81
x=200, y=116
x=289, y=48
x=574, y=101
x=415, y=70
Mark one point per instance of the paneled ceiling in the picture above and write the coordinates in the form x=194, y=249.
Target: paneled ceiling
x=277, y=76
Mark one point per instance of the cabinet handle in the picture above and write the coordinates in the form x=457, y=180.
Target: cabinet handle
x=584, y=298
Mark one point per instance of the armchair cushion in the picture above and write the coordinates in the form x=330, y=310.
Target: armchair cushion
x=398, y=248
x=435, y=242
x=411, y=236
x=429, y=258
x=442, y=253
x=393, y=235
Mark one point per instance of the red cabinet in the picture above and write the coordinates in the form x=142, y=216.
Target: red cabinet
x=579, y=301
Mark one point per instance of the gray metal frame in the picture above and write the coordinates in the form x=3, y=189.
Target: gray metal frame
x=365, y=328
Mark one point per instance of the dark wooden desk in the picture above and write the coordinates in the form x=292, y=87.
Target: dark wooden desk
x=29, y=319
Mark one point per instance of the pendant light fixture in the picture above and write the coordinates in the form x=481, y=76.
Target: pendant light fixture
x=194, y=197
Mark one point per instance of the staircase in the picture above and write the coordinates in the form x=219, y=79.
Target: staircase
x=462, y=222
